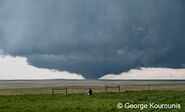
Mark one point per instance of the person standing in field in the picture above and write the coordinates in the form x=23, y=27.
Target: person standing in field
x=90, y=92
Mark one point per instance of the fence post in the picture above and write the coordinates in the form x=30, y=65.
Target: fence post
x=106, y=88
x=66, y=90
x=52, y=91
x=119, y=88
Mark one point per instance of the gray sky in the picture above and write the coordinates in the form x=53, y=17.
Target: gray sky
x=94, y=37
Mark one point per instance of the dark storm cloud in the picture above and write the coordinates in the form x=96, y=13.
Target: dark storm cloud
x=94, y=37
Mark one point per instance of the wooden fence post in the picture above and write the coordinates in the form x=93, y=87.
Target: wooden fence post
x=66, y=90
x=119, y=88
x=106, y=88
x=52, y=91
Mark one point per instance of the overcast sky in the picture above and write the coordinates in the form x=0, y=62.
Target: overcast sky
x=94, y=37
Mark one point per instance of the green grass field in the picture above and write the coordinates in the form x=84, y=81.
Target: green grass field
x=99, y=102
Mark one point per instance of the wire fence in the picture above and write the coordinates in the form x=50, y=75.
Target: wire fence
x=84, y=89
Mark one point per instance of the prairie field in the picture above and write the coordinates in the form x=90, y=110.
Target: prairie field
x=71, y=95
x=99, y=102
x=19, y=87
